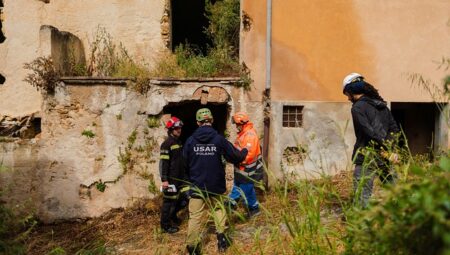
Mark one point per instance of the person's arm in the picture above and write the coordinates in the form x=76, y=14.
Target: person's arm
x=232, y=154
x=164, y=164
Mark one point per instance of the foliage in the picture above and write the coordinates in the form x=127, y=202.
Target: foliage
x=109, y=59
x=153, y=122
x=413, y=217
x=101, y=186
x=224, y=22
x=88, y=133
x=44, y=76
x=222, y=58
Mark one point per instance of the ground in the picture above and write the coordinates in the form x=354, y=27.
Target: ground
x=136, y=230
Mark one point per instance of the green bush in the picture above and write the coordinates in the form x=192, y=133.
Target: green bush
x=412, y=218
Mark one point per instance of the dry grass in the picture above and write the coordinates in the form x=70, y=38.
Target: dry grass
x=136, y=230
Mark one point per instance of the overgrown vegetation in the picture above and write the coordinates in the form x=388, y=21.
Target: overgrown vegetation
x=106, y=58
x=222, y=57
x=44, y=76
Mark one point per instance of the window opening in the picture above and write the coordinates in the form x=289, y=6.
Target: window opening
x=189, y=23
x=292, y=116
x=2, y=79
x=418, y=123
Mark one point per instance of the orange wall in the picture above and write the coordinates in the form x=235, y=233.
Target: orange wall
x=316, y=43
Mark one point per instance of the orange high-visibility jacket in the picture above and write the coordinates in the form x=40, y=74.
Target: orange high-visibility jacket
x=248, y=138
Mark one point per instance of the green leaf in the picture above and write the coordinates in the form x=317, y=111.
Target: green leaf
x=416, y=170
x=444, y=163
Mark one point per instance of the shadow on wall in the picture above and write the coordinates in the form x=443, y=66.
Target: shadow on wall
x=67, y=50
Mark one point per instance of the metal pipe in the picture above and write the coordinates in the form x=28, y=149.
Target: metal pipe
x=267, y=100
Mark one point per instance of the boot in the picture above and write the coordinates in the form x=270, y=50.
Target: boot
x=194, y=249
x=169, y=229
x=223, y=242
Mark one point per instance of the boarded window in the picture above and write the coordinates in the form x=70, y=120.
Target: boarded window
x=292, y=115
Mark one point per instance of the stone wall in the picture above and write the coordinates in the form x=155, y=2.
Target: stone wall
x=97, y=150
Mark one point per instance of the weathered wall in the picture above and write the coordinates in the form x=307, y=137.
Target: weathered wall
x=316, y=43
x=325, y=139
x=135, y=23
x=59, y=173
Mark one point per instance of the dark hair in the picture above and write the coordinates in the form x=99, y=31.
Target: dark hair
x=371, y=92
x=363, y=87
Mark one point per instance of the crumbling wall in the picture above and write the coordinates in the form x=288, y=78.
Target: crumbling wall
x=98, y=149
x=323, y=145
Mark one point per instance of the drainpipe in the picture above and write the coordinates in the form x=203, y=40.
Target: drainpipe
x=267, y=101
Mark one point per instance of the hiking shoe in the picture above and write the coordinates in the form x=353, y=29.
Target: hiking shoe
x=254, y=212
x=170, y=230
x=223, y=242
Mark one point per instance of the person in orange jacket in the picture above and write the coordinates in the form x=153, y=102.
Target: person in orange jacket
x=250, y=170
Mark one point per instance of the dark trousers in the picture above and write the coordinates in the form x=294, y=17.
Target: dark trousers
x=172, y=204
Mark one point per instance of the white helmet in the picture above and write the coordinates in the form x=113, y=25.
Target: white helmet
x=351, y=78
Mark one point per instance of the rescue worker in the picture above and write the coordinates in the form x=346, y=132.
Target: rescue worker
x=249, y=170
x=173, y=177
x=203, y=154
x=374, y=126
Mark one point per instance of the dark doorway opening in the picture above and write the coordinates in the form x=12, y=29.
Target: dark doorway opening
x=189, y=23
x=186, y=111
x=418, y=121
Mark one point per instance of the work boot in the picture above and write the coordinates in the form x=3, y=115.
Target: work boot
x=223, y=242
x=254, y=212
x=169, y=229
x=194, y=249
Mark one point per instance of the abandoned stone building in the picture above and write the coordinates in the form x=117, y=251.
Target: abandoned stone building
x=93, y=144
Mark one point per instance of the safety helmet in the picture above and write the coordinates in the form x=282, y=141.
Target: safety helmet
x=240, y=118
x=353, y=77
x=204, y=114
x=174, y=122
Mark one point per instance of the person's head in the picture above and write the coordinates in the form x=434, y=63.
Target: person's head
x=240, y=119
x=204, y=117
x=174, y=126
x=354, y=87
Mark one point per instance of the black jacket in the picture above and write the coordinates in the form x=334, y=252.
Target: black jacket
x=171, y=165
x=203, y=153
x=373, y=122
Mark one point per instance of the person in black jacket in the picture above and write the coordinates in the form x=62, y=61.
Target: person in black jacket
x=203, y=154
x=173, y=177
x=374, y=127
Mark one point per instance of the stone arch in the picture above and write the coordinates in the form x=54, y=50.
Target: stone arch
x=211, y=94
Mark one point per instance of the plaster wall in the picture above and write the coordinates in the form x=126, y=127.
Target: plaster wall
x=58, y=172
x=316, y=43
x=135, y=23
x=326, y=135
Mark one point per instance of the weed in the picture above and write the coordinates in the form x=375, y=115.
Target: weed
x=101, y=186
x=119, y=116
x=132, y=139
x=44, y=76
x=88, y=133
x=153, y=122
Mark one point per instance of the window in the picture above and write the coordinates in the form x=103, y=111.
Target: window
x=292, y=116
x=189, y=23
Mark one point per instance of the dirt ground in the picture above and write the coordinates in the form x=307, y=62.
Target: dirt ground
x=136, y=230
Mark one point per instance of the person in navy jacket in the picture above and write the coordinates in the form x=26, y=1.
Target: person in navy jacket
x=203, y=153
